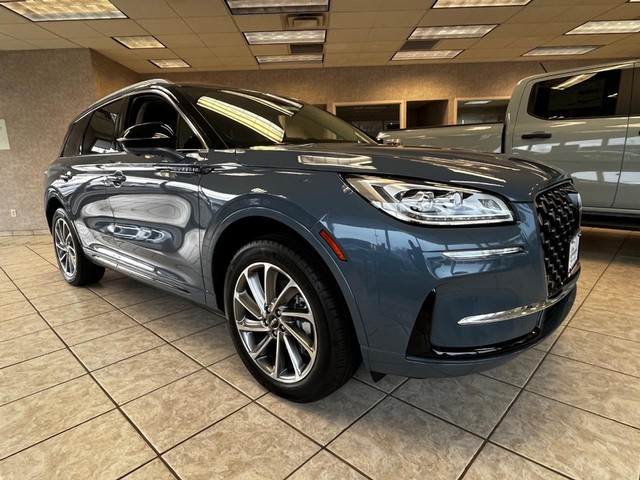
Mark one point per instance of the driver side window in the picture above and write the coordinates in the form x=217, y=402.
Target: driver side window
x=153, y=108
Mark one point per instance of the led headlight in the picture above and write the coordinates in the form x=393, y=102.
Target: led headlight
x=430, y=204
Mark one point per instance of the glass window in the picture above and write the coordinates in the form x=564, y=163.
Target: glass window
x=72, y=143
x=100, y=136
x=481, y=111
x=578, y=96
x=244, y=118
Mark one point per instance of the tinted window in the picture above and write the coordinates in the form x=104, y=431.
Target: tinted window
x=246, y=119
x=100, y=136
x=72, y=144
x=578, y=96
x=152, y=108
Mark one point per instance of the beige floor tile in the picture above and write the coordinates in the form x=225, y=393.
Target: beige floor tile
x=106, y=448
x=208, y=346
x=154, y=470
x=103, y=351
x=39, y=416
x=13, y=296
x=42, y=372
x=609, y=300
x=179, y=410
x=611, y=394
x=233, y=371
x=33, y=271
x=44, y=279
x=547, y=343
x=77, y=311
x=325, y=419
x=572, y=441
x=133, y=296
x=93, y=327
x=14, y=310
x=59, y=285
x=601, y=350
x=157, y=308
x=325, y=466
x=7, y=286
x=616, y=285
x=121, y=284
x=250, y=444
x=21, y=326
x=473, y=402
x=184, y=323
x=622, y=324
x=519, y=370
x=64, y=298
x=138, y=375
x=29, y=346
x=388, y=384
x=395, y=440
x=496, y=462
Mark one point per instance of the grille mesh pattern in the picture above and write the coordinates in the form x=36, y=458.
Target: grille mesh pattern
x=559, y=220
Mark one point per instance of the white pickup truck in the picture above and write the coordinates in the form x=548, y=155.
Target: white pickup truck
x=584, y=121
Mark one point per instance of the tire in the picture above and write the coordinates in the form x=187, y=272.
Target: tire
x=75, y=268
x=312, y=312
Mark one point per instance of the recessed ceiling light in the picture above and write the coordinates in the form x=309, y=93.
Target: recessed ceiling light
x=285, y=36
x=170, y=63
x=548, y=51
x=243, y=7
x=139, y=41
x=52, y=10
x=479, y=3
x=606, y=26
x=307, y=58
x=451, y=31
x=426, y=54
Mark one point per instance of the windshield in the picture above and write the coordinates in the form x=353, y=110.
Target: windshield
x=249, y=119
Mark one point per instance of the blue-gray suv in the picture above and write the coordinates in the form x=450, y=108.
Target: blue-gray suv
x=323, y=248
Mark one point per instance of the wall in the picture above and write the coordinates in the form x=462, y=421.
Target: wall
x=109, y=76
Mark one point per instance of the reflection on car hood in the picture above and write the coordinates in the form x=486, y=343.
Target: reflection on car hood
x=514, y=178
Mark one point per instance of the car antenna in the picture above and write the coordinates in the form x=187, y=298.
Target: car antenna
x=545, y=70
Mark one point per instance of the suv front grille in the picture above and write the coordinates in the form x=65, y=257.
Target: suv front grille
x=559, y=220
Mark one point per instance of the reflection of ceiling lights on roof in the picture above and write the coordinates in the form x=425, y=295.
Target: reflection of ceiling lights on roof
x=451, y=31
x=51, y=10
x=139, y=41
x=240, y=7
x=260, y=100
x=426, y=54
x=479, y=3
x=310, y=58
x=548, y=51
x=244, y=117
x=285, y=36
x=477, y=102
x=170, y=63
x=609, y=26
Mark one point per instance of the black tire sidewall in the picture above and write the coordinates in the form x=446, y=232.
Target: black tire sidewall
x=61, y=213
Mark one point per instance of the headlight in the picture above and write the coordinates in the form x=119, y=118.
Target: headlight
x=430, y=204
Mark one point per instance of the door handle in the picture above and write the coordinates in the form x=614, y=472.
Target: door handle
x=533, y=135
x=117, y=178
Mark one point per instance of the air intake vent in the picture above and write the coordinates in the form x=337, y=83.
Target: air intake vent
x=418, y=45
x=306, y=48
x=305, y=21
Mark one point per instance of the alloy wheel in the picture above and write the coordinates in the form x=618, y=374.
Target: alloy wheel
x=65, y=247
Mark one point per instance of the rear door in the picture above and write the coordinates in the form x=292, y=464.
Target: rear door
x=578, y=123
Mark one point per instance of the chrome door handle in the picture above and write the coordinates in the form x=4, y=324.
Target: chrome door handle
x=117, y=178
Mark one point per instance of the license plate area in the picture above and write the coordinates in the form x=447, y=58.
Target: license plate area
x=574, y=250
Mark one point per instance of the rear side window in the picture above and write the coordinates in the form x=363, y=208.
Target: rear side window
x=72, y=143
x=582, y=95
x=100, y=136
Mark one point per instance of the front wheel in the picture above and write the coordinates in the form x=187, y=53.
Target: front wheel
x=288, y=321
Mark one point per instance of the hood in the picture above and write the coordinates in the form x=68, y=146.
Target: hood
x=514, y=178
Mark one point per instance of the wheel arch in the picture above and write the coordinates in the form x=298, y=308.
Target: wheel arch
x=52, y=204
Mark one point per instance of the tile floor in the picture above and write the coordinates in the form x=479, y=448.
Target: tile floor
x=123, y=381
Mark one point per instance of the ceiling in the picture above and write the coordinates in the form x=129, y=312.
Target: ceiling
x=208, y=37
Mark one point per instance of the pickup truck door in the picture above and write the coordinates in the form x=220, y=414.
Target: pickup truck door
x=628, y=196
x=578, y=123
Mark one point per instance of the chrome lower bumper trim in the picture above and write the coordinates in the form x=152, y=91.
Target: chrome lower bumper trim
x=517, y=312
x=481, y=254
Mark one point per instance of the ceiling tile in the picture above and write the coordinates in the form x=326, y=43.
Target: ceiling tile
x=154, y=53
x=378, y=5
x=373, y=47
x=493, y=54
x=269, y=49
x=517, y=29
x=352, y=20
x=389, y=34
x=226, y=52
x=68, y=29
x=49, y=43
x=469, y=16
x=456, y=43
x=212, y=24
x=210, y=62
x=198, y=8
x=348, y=35
x=7, y=16
x=182, y=41
x=117, y=27
x=16, y=45
x=96, y=43
x=606, y=39
x=407, y=18
x=194, y=52
x=27, y=31
x=166, y=26
x=340, y=59
x=627, y=11
x=144, y=8
x=257, y=23
x=350, y=47
x=223, y=39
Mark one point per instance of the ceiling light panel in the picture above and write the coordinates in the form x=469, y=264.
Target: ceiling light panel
x=170, y=63
x=53, y=10
x=306, y=58
x=244, y=7
x=608, y=26
x=479, y=3
x=139, y=41
x=426, y=54
x=451, y=31
x=285, y=36
x=549, y=51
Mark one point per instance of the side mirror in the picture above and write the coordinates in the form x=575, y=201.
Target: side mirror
x=153, y=138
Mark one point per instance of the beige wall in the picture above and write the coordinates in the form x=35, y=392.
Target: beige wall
x=109, y=76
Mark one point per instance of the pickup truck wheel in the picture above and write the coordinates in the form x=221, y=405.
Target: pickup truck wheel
x=76, y=269
x=287, y=320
